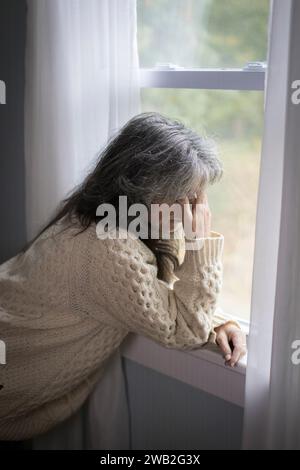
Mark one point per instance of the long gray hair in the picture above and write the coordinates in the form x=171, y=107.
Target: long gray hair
x=152, y=158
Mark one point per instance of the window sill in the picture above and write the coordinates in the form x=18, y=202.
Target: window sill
x=201, y=368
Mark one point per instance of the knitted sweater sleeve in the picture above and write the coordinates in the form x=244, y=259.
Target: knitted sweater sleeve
x=125, y=283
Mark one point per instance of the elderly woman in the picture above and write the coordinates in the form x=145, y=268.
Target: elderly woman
x=71, y=297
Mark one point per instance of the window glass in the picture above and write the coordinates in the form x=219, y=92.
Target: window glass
x=235, y=120
x=202, y=33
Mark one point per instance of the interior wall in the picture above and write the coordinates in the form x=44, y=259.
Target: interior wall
x=168, y=414
x=12, y=168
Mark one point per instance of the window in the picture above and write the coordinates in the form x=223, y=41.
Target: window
x=203, y=61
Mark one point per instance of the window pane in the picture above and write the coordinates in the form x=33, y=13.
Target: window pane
x=202, y=33
x=235, y=120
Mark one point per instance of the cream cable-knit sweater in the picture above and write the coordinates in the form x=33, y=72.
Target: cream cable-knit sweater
x=68, y=302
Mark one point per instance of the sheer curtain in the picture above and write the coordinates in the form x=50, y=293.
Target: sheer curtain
x=272, y=412
x=82, y=84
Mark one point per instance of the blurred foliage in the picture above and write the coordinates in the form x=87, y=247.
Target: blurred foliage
x=202, y=33
x=230, y=114
x=233, y=199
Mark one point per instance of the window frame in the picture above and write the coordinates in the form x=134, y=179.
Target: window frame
x=208, y=361
x=211, y=373
x=204, y=79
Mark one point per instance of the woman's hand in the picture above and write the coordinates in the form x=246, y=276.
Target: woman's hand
x=196, y=216
x=232, y=341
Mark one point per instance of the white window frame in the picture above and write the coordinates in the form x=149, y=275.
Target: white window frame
x=203, y=368
x=204, y=79
x=249, y=78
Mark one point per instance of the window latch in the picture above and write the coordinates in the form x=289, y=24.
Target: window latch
x=167, y=66
x=255, y=66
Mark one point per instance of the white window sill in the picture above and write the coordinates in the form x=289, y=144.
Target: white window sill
x=201, y=368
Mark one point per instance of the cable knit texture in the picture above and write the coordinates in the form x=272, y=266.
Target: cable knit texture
x=69, y=301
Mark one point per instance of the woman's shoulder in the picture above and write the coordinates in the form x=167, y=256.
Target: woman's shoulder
x=119, y=242
x=103, y=261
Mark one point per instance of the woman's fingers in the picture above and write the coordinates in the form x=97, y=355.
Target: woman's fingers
x=187, y=216
x=196, y=216
x=238, y=339
x=204, y=213
x=223, y=343
x=235, y=337
x=177, y=217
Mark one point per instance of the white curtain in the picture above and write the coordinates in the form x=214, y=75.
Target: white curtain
x=82, y=84
x=272, y=410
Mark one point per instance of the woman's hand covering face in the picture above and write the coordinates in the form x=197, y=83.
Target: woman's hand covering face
x=196, y=216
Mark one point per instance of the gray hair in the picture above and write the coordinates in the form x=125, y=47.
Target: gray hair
x=156, y=159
